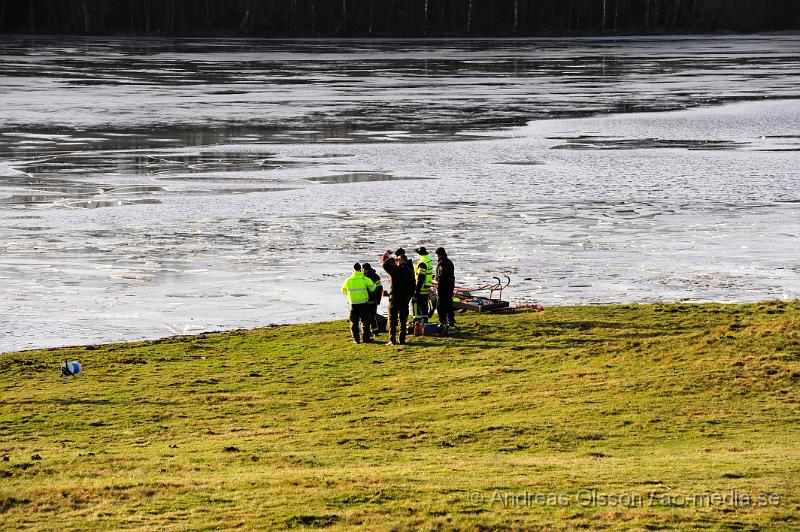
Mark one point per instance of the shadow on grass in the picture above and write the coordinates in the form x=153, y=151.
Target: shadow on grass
x=636, y=331
x=588, y=324
x=60, y=401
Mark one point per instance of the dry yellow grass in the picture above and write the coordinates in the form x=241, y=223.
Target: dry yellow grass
x=635, y=417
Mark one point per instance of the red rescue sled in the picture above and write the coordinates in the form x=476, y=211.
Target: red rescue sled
x=465, y=299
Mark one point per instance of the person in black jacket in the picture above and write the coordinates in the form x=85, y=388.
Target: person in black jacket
x=374, y=297
x=445, y=285
x=402, y=279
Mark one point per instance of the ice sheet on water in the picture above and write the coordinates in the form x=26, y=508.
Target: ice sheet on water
x=208, y=228
x=582, y=226
x=120, y=84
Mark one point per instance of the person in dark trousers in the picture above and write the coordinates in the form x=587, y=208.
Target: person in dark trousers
x=408, y=263
x=357, y=288
x=374, y=296
x=402, y=278
x=445, y=285
x=421, y=291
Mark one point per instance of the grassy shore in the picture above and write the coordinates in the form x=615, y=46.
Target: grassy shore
x=631, y=416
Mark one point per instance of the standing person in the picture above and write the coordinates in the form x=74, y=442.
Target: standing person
x=357, y=287
x=374, y=296
x=412, y=273
x=402, y=278
x=445, y=285
x=422, y=290
x=422, y=294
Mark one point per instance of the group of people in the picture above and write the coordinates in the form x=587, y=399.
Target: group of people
x=410, y=284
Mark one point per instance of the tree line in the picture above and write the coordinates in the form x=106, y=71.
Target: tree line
x=396, y=18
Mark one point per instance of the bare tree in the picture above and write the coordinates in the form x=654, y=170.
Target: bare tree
x=171, y=15
x=52, y=10
x=246, y=17
x=85, y=11
x=420, y=17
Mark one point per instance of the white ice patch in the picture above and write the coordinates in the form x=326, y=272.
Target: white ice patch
x=7, y=171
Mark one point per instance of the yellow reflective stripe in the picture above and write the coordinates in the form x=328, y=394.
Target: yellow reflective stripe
x=428, y=261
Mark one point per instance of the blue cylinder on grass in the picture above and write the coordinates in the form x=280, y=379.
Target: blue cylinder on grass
x=69, y=369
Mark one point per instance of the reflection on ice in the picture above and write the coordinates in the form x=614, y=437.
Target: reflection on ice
x=520, y=163
x=396, y=88
x=96, y=204
x=27, y=199
x=586, y=142
x=359, y=177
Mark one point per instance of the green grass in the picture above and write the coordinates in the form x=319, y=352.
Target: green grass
x=296, y=427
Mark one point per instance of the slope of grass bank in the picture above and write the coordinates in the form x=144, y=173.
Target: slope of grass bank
x=651, y=416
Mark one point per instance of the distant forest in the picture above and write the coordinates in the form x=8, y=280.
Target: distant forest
x=395, y=18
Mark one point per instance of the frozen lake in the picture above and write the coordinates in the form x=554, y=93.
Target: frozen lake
x=158, y=187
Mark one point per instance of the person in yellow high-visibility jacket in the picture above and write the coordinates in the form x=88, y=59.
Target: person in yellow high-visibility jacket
x=424, y=258
x=357, y=288
x=422, y=291
x=423, y=277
